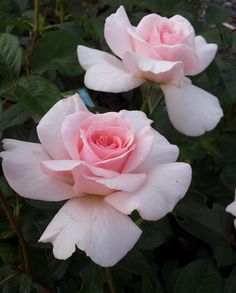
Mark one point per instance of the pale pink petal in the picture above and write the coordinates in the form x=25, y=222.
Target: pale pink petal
x=137, y=119
x=87, y=154
x=165, y=185
x=55, y=167
x=179, y=53
x=147, y=24
x=190, y=33
x=205, y=52
x=105, y=72
x=162, y=152
x=125, y=182
x=21, y=167
x=143, y=145
x=116, y=34
x=94, y=227
x=231, y=208
x=49, y=127
x=142, y=46
x=116, y=164
x=191, y=110
x=70, y=131
x=159, y=71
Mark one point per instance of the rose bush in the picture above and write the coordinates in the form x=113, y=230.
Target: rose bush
x=107, y=166
x=161, y=50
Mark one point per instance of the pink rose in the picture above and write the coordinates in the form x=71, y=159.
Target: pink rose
x=161, y=50
x=106, y=165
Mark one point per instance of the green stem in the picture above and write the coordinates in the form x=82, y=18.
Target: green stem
x=139, y=221
x=8, y=278
x=36, y=23
x=16, y=228
x=110, y=280
x=144, y=106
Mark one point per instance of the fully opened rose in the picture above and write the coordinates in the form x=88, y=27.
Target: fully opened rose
x=161, y=50
x=106, y=166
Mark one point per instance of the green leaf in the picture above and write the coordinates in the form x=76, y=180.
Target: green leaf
x=135, y=262
x=210, y=225
x=216, y=14
x=56, y=50
x=14, y=115
x=155, y=233
x=230, y=286
x=199, y=277
x=36, y=94
x=228, y=75
x=18, y=284
x=93, y=279
x=7, y=252
x=10, y=56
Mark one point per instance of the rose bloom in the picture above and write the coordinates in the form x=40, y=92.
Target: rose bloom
x=107, y=166
x=161, y=50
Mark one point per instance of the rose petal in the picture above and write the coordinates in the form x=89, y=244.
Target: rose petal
x=70, y=131
x=165, y=185
x=49, y=127
x=231, y=208
x=55, y=167
x=105, y=72
x=143, y=146
x=88, y=222
x=205, y=52
x=191, y=110
x=147, y=24
x=158, y=71
x=190, y=33
x=115, y=32
x=162, y=152
x=179, y=53
x=21, y=167
x=125, y=182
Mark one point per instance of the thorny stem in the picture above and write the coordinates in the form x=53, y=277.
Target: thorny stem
x=110, y=280
x=16, y=228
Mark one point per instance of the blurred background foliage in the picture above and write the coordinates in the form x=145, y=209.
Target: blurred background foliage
x=193, y=249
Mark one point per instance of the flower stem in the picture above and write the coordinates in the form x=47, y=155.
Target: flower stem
x=144, y=106
x=16, y=228
x=110, y=280
x=36, y=23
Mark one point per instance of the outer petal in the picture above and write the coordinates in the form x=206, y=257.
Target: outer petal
x=21, y=167
x=179, y=53
x=92, y=175
x=232, y=209
x=191, y=110
x=162, y=152
x=166, y=184
x=49, y=128
x=116, y=33
x=105, y=72
x=205, y=52
x=95, y=227
x=158, y=71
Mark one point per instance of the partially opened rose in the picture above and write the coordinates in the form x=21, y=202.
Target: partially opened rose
x=161, y=50
x=106, y=165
